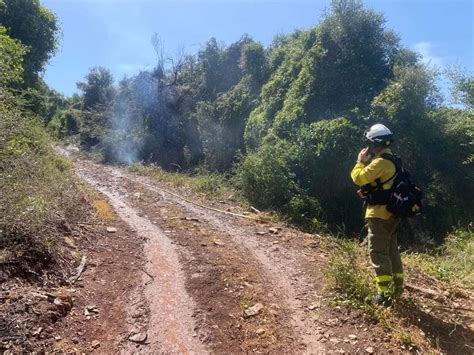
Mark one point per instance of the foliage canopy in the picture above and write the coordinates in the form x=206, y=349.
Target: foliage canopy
x=287, y=120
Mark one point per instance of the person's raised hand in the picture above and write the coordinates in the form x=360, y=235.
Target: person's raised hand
x=363, y=155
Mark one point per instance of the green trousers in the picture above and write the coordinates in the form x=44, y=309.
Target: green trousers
x=384, y=254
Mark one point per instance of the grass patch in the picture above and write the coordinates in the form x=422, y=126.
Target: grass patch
x=246, y=299
x=417, y=322
x=452, y=262
x=202, y=181
x=350, y=278
x=345, y=273
x=405, y=338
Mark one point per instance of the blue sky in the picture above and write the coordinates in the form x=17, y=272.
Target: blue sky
x=117, y=33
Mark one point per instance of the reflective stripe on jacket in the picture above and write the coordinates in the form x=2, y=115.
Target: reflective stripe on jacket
x=378, y=168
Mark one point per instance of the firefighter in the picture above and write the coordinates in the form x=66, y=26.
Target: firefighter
x=375, y=176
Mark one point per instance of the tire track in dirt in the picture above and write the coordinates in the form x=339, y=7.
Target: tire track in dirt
x=282, y=268
x=245, y=265
x=171, y=324
x=222, y=279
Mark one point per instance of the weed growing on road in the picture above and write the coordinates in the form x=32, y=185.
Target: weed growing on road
x=346, y=274
x=405, y=338
x=246, y=299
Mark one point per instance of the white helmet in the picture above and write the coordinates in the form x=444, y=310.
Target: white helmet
x=379, y=135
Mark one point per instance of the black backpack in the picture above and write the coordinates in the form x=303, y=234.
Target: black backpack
x=405, y=196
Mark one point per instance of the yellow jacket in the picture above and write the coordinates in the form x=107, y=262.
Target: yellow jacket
x=378, y=168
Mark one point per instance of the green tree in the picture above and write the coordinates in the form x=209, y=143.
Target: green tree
x=97, y=88
x=253, y=62
x=326, y=148
x=463, y=88
x=221, y=121
x=357, y=58
x=35, y=27
x=330, y=70
x=434, y=142
x=98, y=96
x=285, y=63
x=404, y=105
x=11, y=59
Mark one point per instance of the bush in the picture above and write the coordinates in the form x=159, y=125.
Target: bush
x=325, y=158
x=11, y=58
x=211, y=184
x=304, y=179
x=39, y=198
x=305, y=211
x=267, y=178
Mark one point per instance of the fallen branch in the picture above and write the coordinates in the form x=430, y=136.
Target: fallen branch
x=427, y=291
x=254, y=210
x=48, y=297
x=79, y=270
x=160, y=189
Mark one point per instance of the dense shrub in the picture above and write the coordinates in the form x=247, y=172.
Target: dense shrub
x=326, y=155
x=267, y=177
x=39, y=198
x=430, y=149
x=323, y=73
x=288, y=119
x=222, y=124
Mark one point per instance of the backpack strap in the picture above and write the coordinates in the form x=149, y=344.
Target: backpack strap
x=396, y=162
x=394, y=159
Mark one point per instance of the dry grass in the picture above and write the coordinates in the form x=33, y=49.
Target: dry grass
x=103, y=210
x=210, y=185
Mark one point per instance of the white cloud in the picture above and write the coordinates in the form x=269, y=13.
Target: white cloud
x=428, y=55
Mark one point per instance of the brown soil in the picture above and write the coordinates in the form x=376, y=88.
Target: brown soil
x=179, y=278
x=205, y=269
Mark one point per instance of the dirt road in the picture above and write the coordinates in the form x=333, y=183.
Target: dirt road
x=212, y=282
